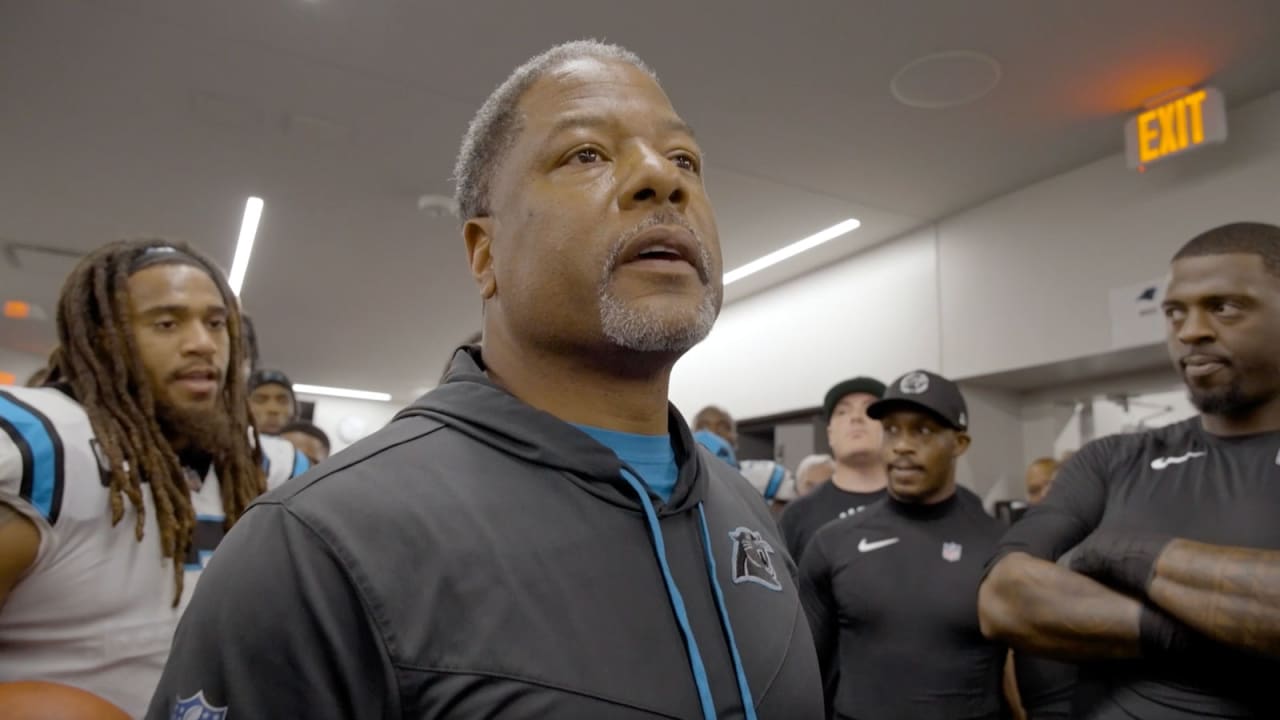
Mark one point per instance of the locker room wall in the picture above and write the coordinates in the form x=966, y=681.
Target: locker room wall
x=1019, y=281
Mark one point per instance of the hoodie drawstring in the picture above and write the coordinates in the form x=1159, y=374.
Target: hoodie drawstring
x=744, y=689
x=677, y=604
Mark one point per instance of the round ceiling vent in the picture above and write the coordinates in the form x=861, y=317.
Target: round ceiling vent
x=946, y=79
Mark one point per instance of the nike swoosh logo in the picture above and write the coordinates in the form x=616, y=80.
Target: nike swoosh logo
x=864, y=546
x=1164, y=462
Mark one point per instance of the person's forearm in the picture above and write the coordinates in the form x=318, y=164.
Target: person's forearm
x=1039, y=607
x=1230, y=594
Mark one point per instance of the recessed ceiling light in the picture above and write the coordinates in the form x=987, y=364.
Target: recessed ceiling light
x=791, y=250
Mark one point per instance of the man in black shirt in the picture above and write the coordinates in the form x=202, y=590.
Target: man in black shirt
x=859, y=477
x=891, y=593
x=1176, y=572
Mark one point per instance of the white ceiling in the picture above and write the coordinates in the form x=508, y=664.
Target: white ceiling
x=159, y=117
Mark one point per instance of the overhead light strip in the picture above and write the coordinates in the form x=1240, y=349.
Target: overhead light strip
x=341, y=392
x=792, y=250
x=244, y=246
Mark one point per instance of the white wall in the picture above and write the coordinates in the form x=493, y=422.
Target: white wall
x=1025, y=278
x=993, y=463
x=1020, y=281
x=873, y=314
x=363, y=416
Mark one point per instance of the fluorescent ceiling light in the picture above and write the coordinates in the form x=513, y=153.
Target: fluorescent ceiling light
x=244, y=246
x=791, y=250
x=341, y=392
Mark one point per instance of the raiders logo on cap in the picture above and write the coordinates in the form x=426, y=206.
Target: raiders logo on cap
x=928, y=391
x=916, y=383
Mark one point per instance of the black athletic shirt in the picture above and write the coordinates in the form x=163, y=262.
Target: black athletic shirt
x=892, y=599
x=803, y=517
x=1045, y=686
x=1181, y=481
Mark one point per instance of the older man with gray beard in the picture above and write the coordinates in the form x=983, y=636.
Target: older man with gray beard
x=539, y=536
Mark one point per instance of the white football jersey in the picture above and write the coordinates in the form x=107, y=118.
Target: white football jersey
x=773, y=480
x=282, y=460
x=95, y=610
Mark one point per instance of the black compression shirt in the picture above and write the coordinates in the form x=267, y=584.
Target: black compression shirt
x=803, y=517
x=1179, y=481
x=1045, y=686
x=891, y=595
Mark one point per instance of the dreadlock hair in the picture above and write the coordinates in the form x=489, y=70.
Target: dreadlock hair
x=250, y=341
x=97, y=357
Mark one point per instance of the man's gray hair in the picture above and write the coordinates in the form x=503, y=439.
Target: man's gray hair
x=494, y=128
x=811, y=461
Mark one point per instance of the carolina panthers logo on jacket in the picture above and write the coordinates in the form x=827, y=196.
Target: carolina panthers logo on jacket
x=197, y=707
x=753, y=559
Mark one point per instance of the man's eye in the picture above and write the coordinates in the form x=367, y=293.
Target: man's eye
x=586, y=156
x=686, y=161
x=1228, y=309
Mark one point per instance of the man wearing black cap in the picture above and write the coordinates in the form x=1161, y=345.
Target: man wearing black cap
x=271, y=401
x=1155, y=558
x=273, y=406
x=859, y=477
x=891, y=593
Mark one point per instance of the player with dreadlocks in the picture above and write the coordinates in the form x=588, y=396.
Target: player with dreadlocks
x=122, y=473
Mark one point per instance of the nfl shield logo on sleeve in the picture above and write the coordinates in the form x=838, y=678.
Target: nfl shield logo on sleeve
x=951, y=552
x=197, y=708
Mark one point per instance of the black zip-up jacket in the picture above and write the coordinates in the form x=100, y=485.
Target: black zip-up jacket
x=479, y=558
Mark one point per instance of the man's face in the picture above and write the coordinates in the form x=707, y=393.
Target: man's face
x=179, y=322
x=920, y=454
x=1223, y=316
x=723, y=425
x=272, y=408
x=850, y=432
x=1039, y=479
x=308, y=445
x=601, y=233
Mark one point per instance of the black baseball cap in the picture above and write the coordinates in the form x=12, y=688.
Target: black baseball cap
x=870, y=386
x=269, y=377
x=923, y=390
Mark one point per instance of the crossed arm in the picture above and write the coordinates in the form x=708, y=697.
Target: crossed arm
x=1039, y=607
x=1229, y=594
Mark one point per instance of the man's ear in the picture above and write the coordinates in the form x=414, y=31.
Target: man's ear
x=478, y=235
x=961, y=445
